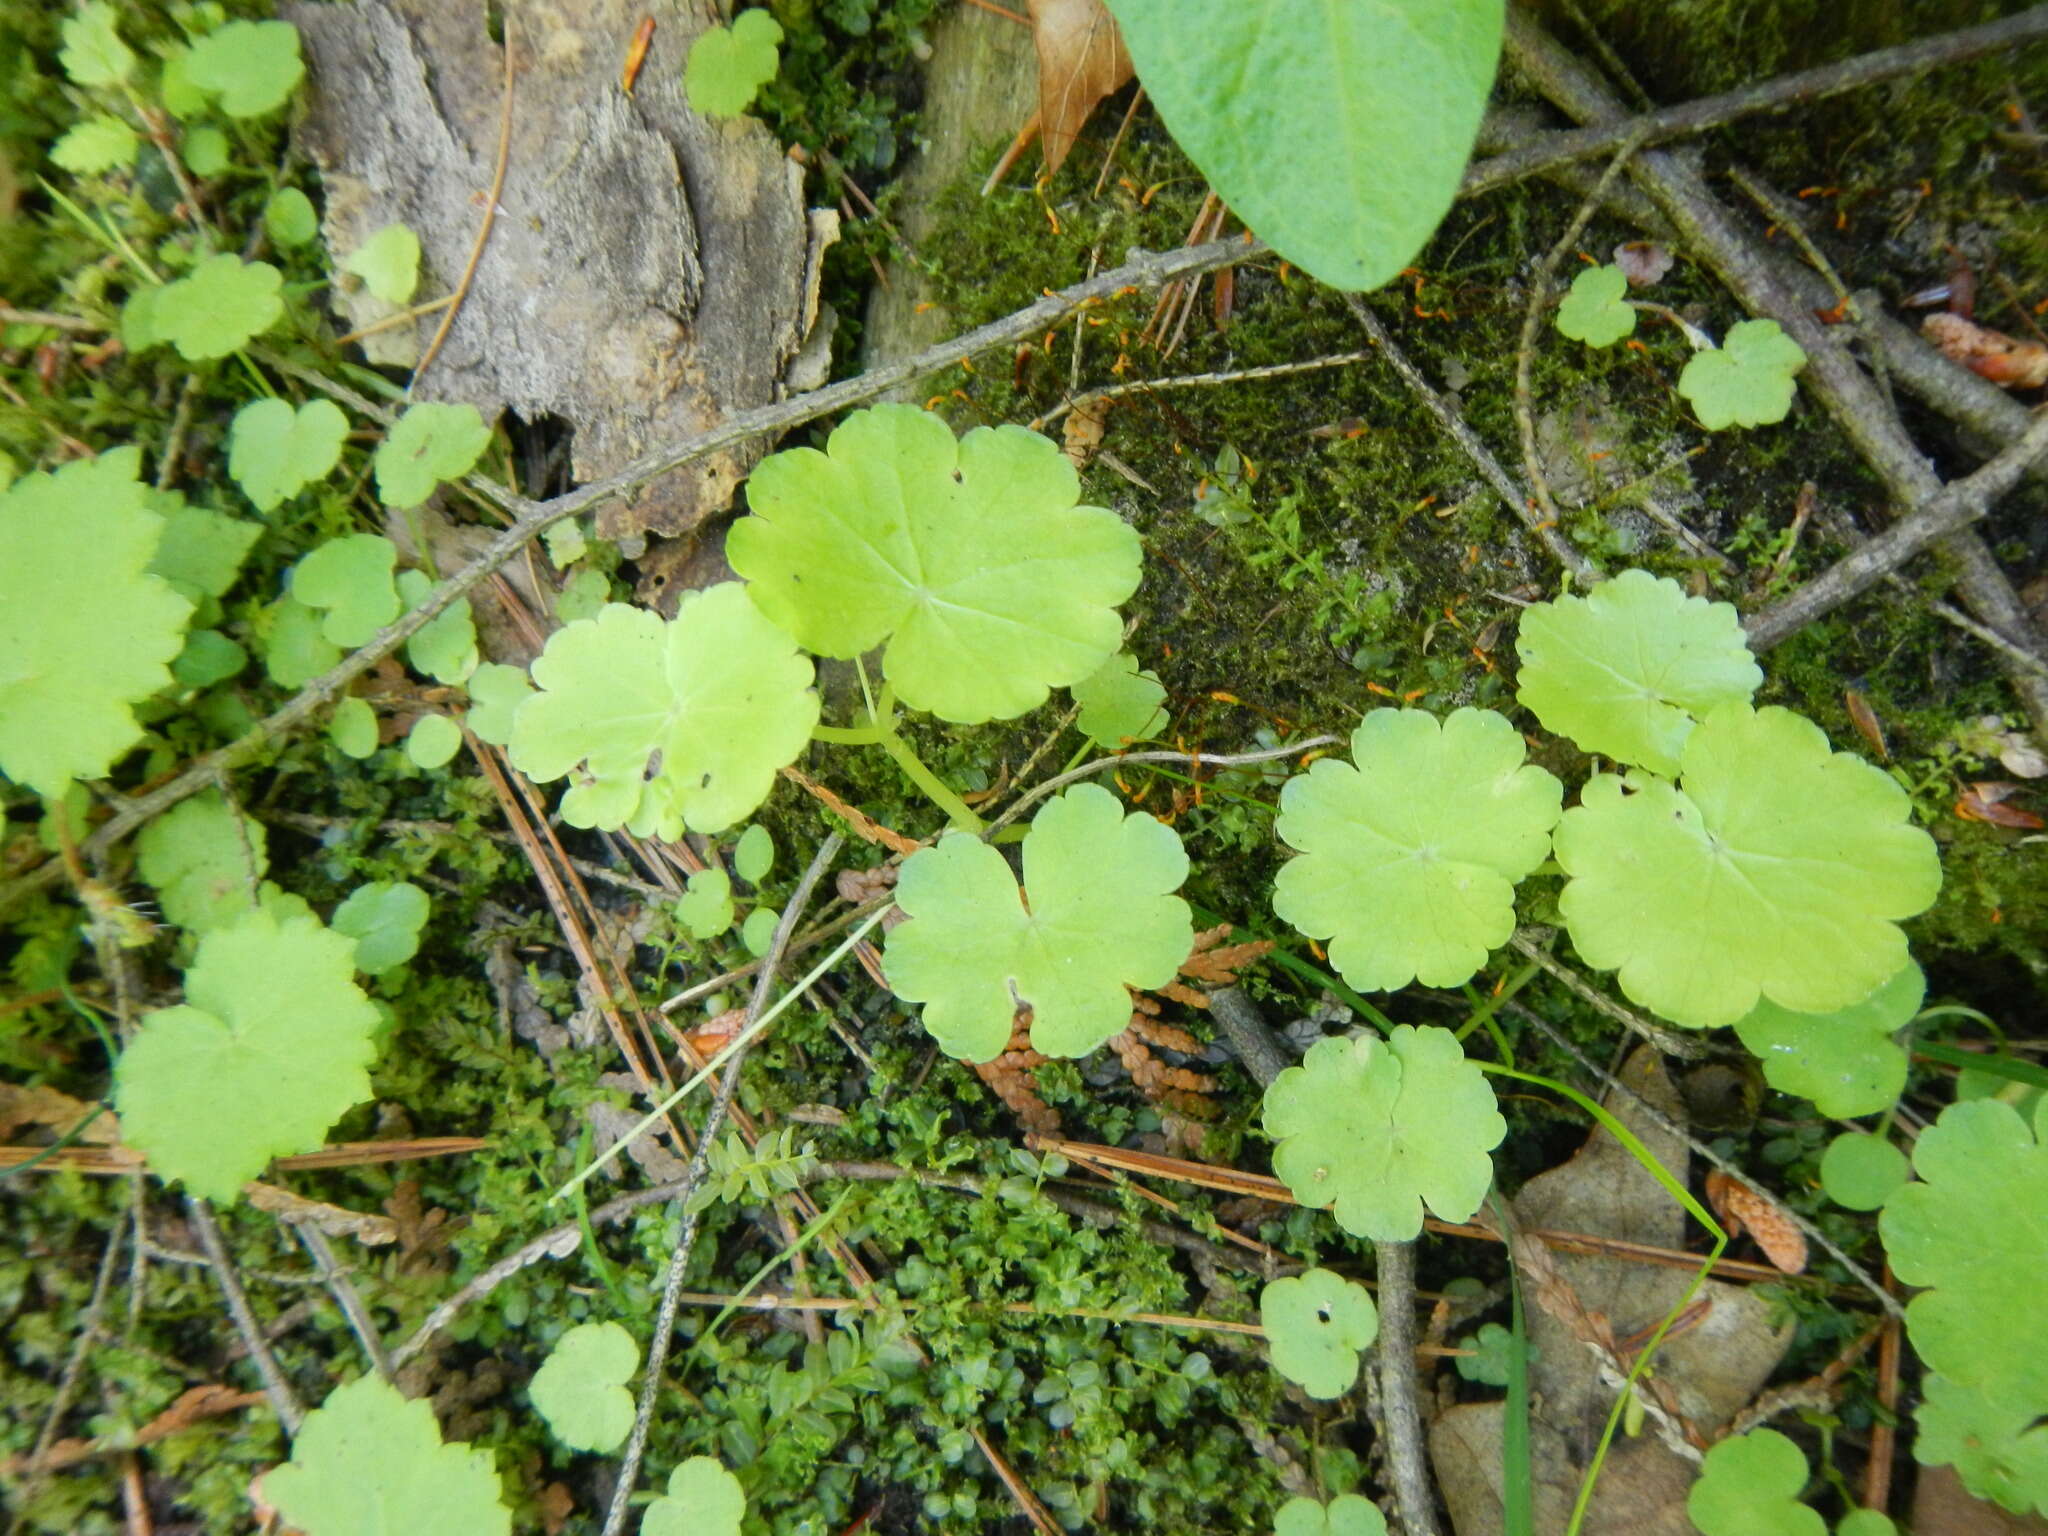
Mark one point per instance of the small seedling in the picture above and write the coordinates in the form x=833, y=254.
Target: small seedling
x=727, y=66
x=1859, y=1171
x=388, y=263
x=1750, y=1486
x=1488, y=1362
x=433, y=741
x=384, y=918
x=219, y=307
x=1597, y=311
x=295, y=651
x=1747, y=381
x=753, y=855
x=203, y=865
x=430, y=443
x=495, y=694
x=444, y=648
x=705, y=907
x=353, y=730
x=1847, y=1061
x=275, y=452
x=580, y=1388
x=251, y=66
x=289, y=218
x=1119, y=703
x=703, y=1499
x=1316, y=1324
x=350, y=580
x=1349, y=1514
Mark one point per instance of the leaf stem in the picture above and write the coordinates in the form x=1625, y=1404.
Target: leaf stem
x=882, y=725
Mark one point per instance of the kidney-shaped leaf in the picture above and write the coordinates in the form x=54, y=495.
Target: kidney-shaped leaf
x=271, y=1045
x=580, y=1388
x=1409, y=859
x=1748, y=381
x=1315, y=1326
x=718, y=692
x=1337, y=130
x=1377, y=1128
x=1845, y=1061
x=969, y=558
x=1097, y=914
x=367, y=1462
x=204, y=866
x=1750, y=1486
x=1349, y=1514
x=1774, y=867
x=1999, y=1451
x=703, y=1499
x=1626, y=671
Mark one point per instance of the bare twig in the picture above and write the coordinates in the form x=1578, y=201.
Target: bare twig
x=1528, y=942
x=686, y=1231
x=1059, y=781
x=1198, y=381
x=344, y=1292
x=283, y=1401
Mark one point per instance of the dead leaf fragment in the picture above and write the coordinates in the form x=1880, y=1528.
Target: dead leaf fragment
x=1985, y=802
x=2006, y=361
x=1081, y=435
x=1642, y=262
x=334, y=1220
x=1768, y=1222
x=1081, y=59
x=55, y=1112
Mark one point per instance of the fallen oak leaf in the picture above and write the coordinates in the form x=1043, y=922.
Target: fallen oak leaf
x=1081, y=59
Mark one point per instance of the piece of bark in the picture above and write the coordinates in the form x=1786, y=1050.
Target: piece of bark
x=649, y=270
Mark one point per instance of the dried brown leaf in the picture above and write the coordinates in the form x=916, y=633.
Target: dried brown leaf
x=1642, y=262
x=1985, y=801
x=334, y=1220
x=1081, y=59
x=1776, y=1233
x=2006, y=361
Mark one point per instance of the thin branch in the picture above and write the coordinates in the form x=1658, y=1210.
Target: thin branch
x=686, y=1232
x=1798, y=89
x=1528, y=943
x=283, y=1401
x=1058, y=781
x=1143, y=269
x=344, y=1292
x=1198, y=381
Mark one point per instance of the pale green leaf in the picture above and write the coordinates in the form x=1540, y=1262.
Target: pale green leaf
x=93, y=53
x=275, y=452
x=566, y=542
x=251, y=66
x=205, y=149
x=1773, y=868
x=705, y=907
x=431, y=442
x=350, y=579
x=1375, y=1129
x=444, y=648
x=201, y=551
x=368, y=1463
x=969, y=559
x=753, y=855
x=217, y=307
x=1488, y=1363
x=758, y=931
x=209, y=657
x=85, y=630
x=1626, y=671
x=1337, y=132
x=580, y=1388
x=1349, y=1514
x=388, y=263
x=1316, y=1324
x=204, y=866
x=1119, y=704
x=384, y=918
x=294, y=649
x=495, y=694
x=1866, y=1522
x=719, y=692
x=1409, y=859
x=354, y=727
x=727, y=65
x=182, y=99
x=270, y=1047
x=97, y=145
x=1846, y=1061
x=1750, y=1486
x=433, y=742
x=289, y=218
x=1998, y=1449
x=703, y=1499
x=1859, y=1171
x=583, y=595
x=1596, y=311
x=1747, y=381
x=1100, y=917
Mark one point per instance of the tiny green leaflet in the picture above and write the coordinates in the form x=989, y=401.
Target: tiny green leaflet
x=703, y=1499
x=495, y=693
x=1349, y=1514
x=1389, y=94
x=433, y=741
x=367, y=1462
x=274, y=452
x=968, y=560
x=1750, y=1486
x=1316, y=1324
x=252, y=67
x=720, y=693
x=354, y=727
x=1774, y=867
x=705, y=907
x=218, y=307
x=93, y=53
x=1596, y=310
x=580, y=1388
x=350, y=579
x=1410, y=853
x=1119, y=704
x=1846, y=1061
x=245, y=1069
x=206, y=151
x=1747, y=380
x=1627, y=670
x=388, y=262
x=754, y=854
x=295, y=650
x=432, y=442
x=289, y=218
x=444, y=648
x=95, y=146
x=205, y=866
x=1373, y=1129
x=758, y=931
x=86, y=631
x=728, y=65
x=1859, y=1171
x=1096, y=915
x=384, y=917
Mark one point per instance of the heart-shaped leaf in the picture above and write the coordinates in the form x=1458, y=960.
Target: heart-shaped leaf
x=274, y=452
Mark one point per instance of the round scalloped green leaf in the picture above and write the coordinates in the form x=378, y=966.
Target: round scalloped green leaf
x=1097, y=915
x=2001, y=1453
x=1375, y=1129
x=1349, y=1514
x=218, y=307
x=1866, y=1522
x=433, y=742
x=580, y=1388
x=969, y=558
x=753, y=855
x=1389, y=94
x=1596, y=311
x=275, y=452
x=1626, y=671
x=289, y=217
x=203, y=866
x=430, y=443
x=703, y=1499
x=249, y=1067
x=1316, y=1324
x=1973, y=1230
x=367, y=1462
x=354, y=727
x=388, y=263
x=1860, y=1171
x=1750, y=1486
x=1747, y=381
x=495, y=694
x=350, y=578
x=85, y=630
x=295, y=651
x=93, y=53
x=705, y=907
x=758, y=931
x=1775, y=868
x=384, y=918
x=1847, y=1061
x=444, y=648
x=95, y=146
x=727, y=65
x=1409, y=859
x=251, y=66
x=1119, y=704
x=718, y=692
